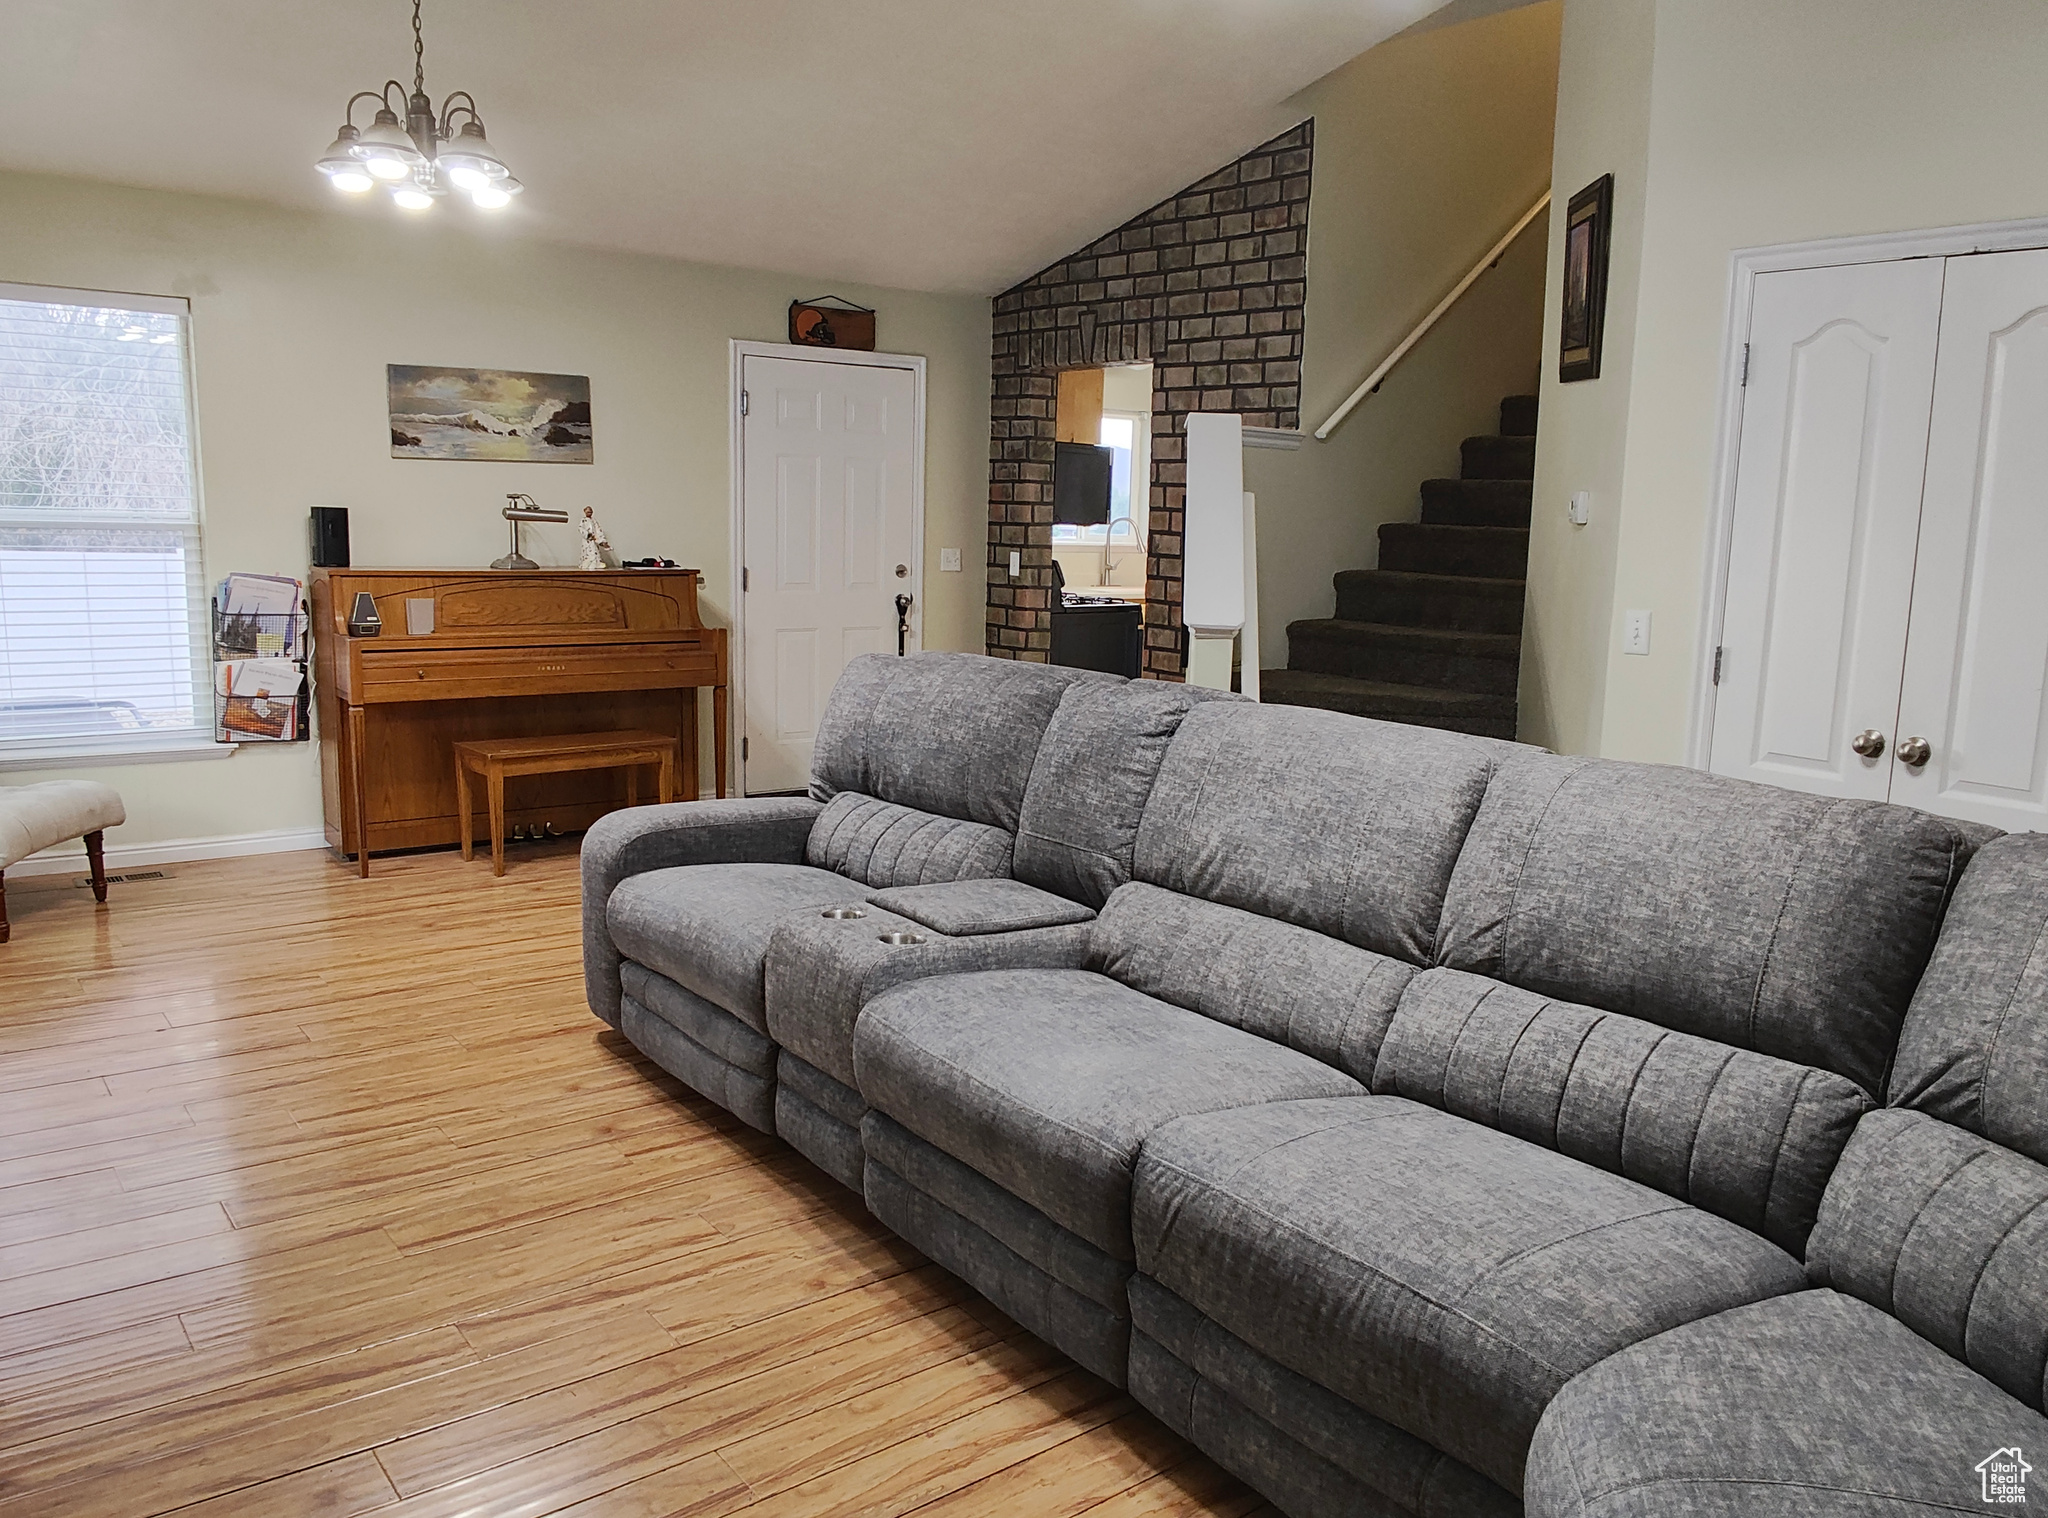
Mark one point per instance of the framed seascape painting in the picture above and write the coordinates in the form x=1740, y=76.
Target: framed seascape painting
x=1588, y=226
x=499, y=414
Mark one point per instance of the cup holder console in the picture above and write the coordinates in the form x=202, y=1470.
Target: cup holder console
x=841, y=913
x=899, y=935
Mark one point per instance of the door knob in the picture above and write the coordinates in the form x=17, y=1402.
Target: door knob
x=1915, y=752
x=1869, y=743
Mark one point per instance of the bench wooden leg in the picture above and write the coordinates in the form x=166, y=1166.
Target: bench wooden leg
x=632, y=785
x=96, y=852
x=496, y=784
x=462, y=809
x=5, y=931
x=668, y=778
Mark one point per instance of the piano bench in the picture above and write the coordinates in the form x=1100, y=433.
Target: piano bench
x=495, y=758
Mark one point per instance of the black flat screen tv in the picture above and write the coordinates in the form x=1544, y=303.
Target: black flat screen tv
x=1080, y=484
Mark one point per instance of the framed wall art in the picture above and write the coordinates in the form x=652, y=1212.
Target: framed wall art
x=1588, y=228
x=505, y=415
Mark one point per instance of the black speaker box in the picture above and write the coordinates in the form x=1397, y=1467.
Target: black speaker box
x=328, y=533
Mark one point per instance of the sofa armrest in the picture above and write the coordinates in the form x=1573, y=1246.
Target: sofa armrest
x=753, y=830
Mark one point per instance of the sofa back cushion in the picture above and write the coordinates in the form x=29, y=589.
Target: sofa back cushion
x=1789, y=924
x=881, y=844
x=1948, y=1232
x=1743, y=1135
x=1975, y=1047
x=1939, y=1211
x=1338, y=824
x=1314, y=993
x=951, y=734
x=1093, y=775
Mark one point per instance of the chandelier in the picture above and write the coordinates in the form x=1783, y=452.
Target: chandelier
x=423, y=159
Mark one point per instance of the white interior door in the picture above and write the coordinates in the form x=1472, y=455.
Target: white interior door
x=1977, y=656
x=1827, y=508
x=829, y=453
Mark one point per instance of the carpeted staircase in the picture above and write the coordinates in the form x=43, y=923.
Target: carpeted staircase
x=1434, y=635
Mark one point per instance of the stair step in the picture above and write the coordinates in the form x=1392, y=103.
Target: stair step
x=1477, y=503
x=1518, y=416
x=1494, y=553
x=1481, y=663
x=1459, y=603
x=1497, y=458
x=1390, y=701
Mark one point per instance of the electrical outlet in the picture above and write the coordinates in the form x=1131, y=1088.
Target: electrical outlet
x=1016, y=563
x=949, y=558
x=1581, y=508
x=1635, y=632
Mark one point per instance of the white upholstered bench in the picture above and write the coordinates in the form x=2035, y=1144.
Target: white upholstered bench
x=33, y=817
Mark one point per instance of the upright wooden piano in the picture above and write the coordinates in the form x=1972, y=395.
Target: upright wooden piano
x=513, y=653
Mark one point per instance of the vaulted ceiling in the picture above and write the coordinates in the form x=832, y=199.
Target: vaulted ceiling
x=925, y=144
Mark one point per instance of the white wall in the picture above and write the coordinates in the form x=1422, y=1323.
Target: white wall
x=1428, y=148
x=1770, y=121
x=294, y=317
x=1603, y=122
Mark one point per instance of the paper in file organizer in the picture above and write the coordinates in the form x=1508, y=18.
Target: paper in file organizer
x=259, y=698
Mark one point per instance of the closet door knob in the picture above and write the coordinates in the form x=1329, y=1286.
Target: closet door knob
x=1915, y=752
x=1869, y=743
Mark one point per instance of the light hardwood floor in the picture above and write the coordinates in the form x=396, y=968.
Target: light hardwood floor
x=328, y=1196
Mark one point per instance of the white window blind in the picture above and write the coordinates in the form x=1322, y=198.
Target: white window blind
x=103, y=618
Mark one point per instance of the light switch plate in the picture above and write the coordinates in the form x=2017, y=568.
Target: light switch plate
x=1581, y=508
x=1016, y=563
x=1635, y=632
x=949, y=558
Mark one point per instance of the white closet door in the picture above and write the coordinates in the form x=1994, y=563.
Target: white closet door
x=831, y=540
x=1827, y=506
x=1977, y=656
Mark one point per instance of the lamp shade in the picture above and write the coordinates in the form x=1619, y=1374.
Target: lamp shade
x=344, y=170
x=385, y=147
x=470, y=161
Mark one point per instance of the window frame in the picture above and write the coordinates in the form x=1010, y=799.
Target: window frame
x=196, y=741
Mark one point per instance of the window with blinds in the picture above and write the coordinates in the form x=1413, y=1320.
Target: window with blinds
x=102, y=592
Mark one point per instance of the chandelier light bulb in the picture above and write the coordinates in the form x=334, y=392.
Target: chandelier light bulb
x=421, y=156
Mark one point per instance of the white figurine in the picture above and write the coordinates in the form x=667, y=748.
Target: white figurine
x=594, y=542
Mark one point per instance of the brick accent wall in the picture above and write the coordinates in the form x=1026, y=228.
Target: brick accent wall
x=1208, y=286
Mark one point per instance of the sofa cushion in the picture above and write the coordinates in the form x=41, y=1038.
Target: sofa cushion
x=706, y=926
x=1442, y=1276
x=1948, y=1232
x=1743, y=1135
x=953, y=734
x=1343, y=825
x=1299, y=1443
x=972, y=908
x=1975, y=1047
x=1790, y=924
x=1091, y=780
x=1308, y=991
x=1047, y=1081
x=822, y=971
x=879, y=843
x=1807, y=1406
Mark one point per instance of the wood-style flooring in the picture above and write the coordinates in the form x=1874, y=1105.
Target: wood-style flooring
x=328, y=1196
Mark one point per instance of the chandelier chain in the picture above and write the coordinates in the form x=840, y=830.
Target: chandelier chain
x=419, y=53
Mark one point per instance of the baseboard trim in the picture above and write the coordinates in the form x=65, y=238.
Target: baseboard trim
x=69, y=858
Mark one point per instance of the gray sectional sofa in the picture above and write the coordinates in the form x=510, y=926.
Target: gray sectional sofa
x=1418, y=1123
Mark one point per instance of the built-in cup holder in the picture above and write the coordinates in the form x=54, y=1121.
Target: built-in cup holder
x=900, y=935
x=840, y=914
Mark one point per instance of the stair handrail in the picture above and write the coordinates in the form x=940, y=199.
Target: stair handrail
x=1372, y=380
